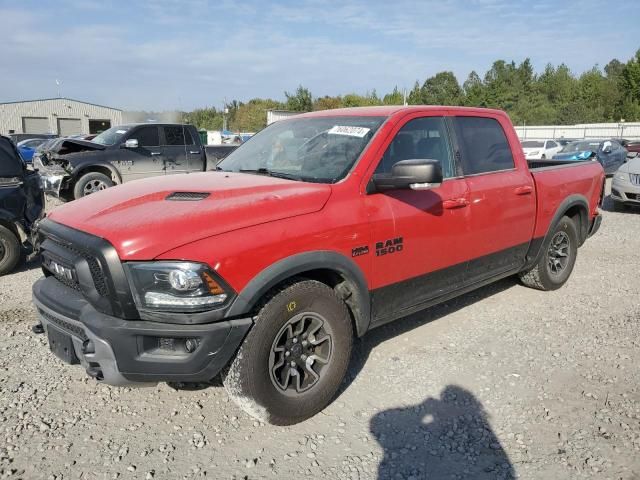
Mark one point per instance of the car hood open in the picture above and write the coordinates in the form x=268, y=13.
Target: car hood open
x=72, y=145
x=148, y=217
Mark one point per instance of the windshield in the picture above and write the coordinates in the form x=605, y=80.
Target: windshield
x=532, y=144
x=321, y=149
x=581, y=147
x=111, y=136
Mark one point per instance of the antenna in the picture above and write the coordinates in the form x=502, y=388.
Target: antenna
x=404, y=96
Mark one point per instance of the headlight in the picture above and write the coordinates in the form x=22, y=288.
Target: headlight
x=175, y=286
x=534, y=153
x=621, y=176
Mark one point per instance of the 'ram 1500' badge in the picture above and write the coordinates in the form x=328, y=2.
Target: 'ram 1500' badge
x=357, y=251
x=392, y=245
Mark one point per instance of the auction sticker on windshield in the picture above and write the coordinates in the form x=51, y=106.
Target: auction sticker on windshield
x=349, y=131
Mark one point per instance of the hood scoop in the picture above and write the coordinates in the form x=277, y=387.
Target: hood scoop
x=187, y=196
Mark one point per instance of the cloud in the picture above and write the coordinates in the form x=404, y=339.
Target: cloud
x=162, y=54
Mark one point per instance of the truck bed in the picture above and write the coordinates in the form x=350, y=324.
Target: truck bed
x=557, y=182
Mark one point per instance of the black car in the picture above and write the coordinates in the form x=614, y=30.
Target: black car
x=21, y=206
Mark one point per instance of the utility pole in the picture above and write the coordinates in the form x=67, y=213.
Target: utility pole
x=225, y=111
x=58, y=82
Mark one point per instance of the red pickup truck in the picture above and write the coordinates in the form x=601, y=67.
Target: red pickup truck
x=318, y=229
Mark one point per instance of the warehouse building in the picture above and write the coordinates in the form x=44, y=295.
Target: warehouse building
x=62, y=116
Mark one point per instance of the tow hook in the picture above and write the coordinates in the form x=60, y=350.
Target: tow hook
x=37, y=329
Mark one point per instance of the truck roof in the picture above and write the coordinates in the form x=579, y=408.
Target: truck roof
x=388, y=110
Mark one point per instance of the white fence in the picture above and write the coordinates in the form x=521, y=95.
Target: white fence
x=630, y=131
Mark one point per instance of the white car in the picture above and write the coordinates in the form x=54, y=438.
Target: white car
x=540, y=149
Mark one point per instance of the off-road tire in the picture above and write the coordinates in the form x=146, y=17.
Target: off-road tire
x=248, y=380
x=83, y=183
x=540, y=276
x=10, y=252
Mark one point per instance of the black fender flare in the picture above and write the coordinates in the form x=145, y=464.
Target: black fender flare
x=81, y=168
x=7, y=219
x=359, y=301
x=535, y=247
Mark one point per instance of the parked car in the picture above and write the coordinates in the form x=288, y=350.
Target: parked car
x=625, y=187
x=21, y=205
x=28, y=147
x=633, y=148
x=118, y=155
x=565, y=141
x=608, y=152
x=320, y=228
x=540, y=149
x=18, y=137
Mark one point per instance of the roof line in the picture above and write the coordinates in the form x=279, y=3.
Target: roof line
x=60, y=98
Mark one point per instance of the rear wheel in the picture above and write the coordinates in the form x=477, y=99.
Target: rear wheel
x=557, y=259
x=293, y=360
x=91, y=182
x=9, y=250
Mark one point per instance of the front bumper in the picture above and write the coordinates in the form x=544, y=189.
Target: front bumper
x=135, y=352
x=625, y=191
x=51, y=179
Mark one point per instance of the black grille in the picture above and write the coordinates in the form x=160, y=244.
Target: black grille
x=633, y=196
x=69, y=327
x=96, y=272
x=187, y=196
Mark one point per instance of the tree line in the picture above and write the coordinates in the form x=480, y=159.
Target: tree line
x=555, y=96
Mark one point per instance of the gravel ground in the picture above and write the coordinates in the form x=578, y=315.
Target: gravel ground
x=505, y=382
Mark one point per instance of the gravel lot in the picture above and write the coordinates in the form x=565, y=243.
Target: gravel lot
x=505, y=382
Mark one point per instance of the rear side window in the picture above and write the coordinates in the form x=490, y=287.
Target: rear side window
x=147, y=136
x=484, y=145
x=177, y=135
x=551, y=144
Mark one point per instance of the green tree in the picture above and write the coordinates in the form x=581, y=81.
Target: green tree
x=300, y=101
x=393, y=98
x=442, y=89
x=252, y=116
x=327, y=103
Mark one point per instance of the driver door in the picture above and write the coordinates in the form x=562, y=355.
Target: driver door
x=418, y=235
x=145, y=160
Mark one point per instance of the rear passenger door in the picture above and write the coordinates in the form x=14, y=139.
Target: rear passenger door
x=502, y=197
x=418, y=243
x=175, y=148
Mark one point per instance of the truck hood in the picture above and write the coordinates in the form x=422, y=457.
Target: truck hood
x=140, y=221
x=72, y=145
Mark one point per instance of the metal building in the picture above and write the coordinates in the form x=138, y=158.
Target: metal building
x=62, y=116
x=275, y=115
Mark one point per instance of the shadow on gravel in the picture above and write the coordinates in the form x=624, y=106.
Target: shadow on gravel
x=26, y=266
x=448, y=437
x=607, y=206
x=362, y=347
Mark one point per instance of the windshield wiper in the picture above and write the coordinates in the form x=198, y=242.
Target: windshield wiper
x=271, y=173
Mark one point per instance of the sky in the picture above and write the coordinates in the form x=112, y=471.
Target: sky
x=164, y=55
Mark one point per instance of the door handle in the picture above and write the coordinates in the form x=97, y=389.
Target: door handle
x=194, y=152
x=526, y=190
x=155, y=153
x=455, y=203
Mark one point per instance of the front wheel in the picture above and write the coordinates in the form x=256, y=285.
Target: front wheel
x=10, y=253
x=558, y=256
x=293, y=360
x=91, y=182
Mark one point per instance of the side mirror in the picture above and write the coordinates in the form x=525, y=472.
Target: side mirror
x=417, y=174
x=131, y=143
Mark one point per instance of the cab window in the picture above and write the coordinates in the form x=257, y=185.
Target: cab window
x=421, y=138
x=483, y=144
